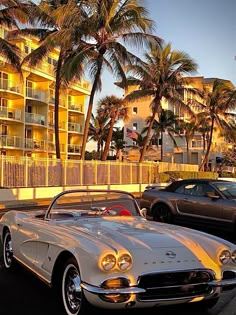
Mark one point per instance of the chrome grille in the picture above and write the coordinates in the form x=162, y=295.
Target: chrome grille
x=180, y=284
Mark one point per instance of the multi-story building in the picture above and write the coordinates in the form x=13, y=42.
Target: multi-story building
x=27, y=108
x=140, y=110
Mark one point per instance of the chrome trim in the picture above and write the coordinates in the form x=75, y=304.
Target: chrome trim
x=33, y=271
x=222, y=283
x=98, y=290
x=212, y=272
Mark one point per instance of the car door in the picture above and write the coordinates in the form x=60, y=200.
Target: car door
x=193, y=201
x=26, y=237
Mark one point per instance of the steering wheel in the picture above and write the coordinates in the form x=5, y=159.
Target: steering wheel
x=122, y=210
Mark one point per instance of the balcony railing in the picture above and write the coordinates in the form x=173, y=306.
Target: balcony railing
x=37, y=94
x=11, y=113
x=75, y=127
x=52, y=147
x=11, y=86
x=11, y=141
x=61, y=125
x=77, y=107
x=62, y=102
x=74, y=148
x=34, y=144
x=37, y=119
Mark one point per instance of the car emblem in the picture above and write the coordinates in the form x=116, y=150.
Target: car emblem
x=170, y=254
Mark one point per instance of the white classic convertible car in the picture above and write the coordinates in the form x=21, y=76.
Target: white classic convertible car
x=95, y=247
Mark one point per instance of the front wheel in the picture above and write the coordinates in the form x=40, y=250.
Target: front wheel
x=8, y=260
x=161, y=213
x=69, y=290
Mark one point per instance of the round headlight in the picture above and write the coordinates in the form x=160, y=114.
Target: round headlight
x=224, y=257
x=108, y=262
x=233, y=256
x=124, y=262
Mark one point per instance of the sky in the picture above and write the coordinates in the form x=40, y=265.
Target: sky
x=204, y=29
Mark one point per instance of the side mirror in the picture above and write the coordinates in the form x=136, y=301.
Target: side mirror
x=143, y=212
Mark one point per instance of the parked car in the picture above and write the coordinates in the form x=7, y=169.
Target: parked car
x=95, y=247
x=202, y=202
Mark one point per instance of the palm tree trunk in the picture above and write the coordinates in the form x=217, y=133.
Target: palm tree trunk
x=162, y=153
x=147, y=138
x=109, y=137
x=207, y=154
x=188, y=152
x=56, y=106
x=90, y=108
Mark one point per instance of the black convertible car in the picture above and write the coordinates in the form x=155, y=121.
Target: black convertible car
x=200, y=202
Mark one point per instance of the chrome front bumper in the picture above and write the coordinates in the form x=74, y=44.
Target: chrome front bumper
x=136, y=290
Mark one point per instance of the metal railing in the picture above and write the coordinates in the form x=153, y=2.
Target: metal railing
x=36, y=172
x=11, y=113
x=32, y=118
x=11, y=86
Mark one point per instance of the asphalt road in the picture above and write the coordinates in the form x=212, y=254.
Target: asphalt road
x=22, y=293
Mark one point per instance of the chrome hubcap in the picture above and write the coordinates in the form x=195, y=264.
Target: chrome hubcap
x=73, y=290
x=8, y=252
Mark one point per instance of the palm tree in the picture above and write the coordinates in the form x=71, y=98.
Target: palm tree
x=219, y=103
x=12, y=12
x=160, y=77
x=116, y=109
x=111, y=26
x=118, y=142
x=166, y=122
x=188, y=128
x=98, y=131
x=203, y=122
x=56, y=21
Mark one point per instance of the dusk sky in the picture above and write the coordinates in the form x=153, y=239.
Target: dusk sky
x=205, y=29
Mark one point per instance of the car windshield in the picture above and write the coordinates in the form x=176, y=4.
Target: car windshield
x=228, y=189
x=92, y=203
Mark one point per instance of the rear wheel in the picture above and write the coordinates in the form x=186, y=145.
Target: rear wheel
x=161, y=213
x=8, y=259
x=68, y=289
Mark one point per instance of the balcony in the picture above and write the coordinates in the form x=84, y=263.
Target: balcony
x=52, y=147
x=62, y=102
x=10, y=113
x=74, y=148
x=74, y=127
x=11, y=142
x=11, y=88
x=61, y=125
x=35, y=145
x=76, y=108
x=36, y=119
x=37, y=94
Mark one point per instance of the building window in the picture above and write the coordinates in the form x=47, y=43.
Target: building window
x=5, y=33
x=197, y=144
x=52, y=61
x=26, y=49
x=135, y=126
x=4, y=130
x=3, y=102
x=135, y=110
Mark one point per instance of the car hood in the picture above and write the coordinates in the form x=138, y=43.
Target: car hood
x=132, y=233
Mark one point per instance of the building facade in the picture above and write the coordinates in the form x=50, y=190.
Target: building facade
x=27, y=108
x=140, y=110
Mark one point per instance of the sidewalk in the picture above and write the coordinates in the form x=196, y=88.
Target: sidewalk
x=24, y=204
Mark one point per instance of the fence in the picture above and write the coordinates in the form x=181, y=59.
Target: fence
x=35, y=172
